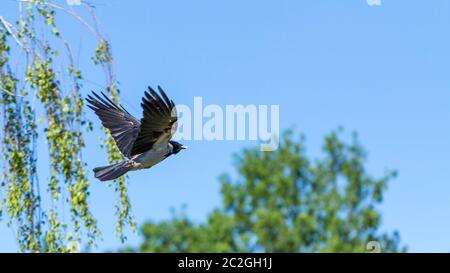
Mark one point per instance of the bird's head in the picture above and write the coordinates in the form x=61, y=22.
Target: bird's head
x=177, y=147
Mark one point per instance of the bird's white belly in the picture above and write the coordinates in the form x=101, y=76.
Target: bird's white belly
x=150, y=158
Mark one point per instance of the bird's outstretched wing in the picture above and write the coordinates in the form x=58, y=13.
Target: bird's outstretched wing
x=123, y=126
x=159, y=121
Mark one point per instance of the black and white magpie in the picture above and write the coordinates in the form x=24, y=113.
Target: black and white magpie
x=146, y=142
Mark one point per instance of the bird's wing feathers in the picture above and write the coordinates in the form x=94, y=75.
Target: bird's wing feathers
x=123, y=126
x=159, y=121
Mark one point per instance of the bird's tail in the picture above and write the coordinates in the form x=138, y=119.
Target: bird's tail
x=112, y=171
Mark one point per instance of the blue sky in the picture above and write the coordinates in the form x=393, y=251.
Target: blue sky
x=382, y=71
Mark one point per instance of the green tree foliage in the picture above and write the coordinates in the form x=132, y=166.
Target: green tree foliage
x=45, y=78
x=282, y=201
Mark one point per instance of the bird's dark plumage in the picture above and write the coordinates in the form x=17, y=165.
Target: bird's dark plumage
x=123, y=126
x=145, y=142
x=112, y=171
x=159, y=121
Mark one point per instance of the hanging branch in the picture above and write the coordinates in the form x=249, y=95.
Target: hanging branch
x=41, y=229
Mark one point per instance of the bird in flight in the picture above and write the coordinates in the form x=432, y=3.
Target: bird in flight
x=145, y=143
